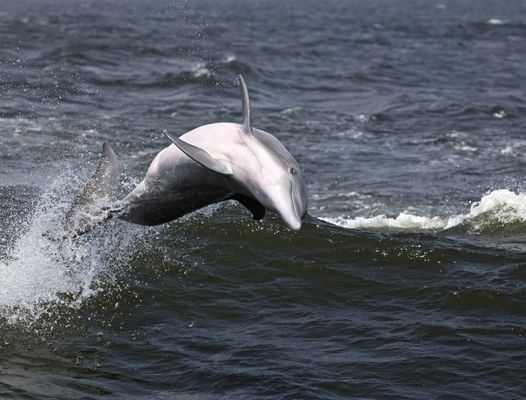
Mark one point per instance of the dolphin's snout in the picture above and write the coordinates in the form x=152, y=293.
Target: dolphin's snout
x=294, y=223
x=293, y=210
x=291, y=220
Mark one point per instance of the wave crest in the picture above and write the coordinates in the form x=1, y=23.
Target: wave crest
x=496, y=211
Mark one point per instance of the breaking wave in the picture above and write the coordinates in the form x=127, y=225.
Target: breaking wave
x=496, y=211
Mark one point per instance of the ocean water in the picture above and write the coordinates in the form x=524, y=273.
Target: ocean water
x=408, y=277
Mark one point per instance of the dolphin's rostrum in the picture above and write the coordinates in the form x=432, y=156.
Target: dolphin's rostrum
x=210, y=164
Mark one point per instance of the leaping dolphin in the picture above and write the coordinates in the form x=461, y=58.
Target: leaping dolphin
x=210, y=164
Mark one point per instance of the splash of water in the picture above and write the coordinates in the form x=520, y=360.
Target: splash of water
x=44, y=265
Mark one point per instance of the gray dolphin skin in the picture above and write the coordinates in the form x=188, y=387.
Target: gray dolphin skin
x=210, y=164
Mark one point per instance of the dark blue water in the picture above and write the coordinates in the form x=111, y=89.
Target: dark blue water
x=408, y=278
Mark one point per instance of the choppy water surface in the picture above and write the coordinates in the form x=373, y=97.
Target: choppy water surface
x=407, y=280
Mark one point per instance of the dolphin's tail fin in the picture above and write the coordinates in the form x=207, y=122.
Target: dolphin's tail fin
x=96, y=203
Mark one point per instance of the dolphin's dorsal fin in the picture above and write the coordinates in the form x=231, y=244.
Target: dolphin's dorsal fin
x=247, y=123
x=202, y=156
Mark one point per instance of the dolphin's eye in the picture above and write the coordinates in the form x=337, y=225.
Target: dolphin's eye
x=293, y=171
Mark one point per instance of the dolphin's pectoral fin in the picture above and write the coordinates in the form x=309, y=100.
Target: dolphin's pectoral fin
x=202, y=157
x=254, y=206
x=91, y=207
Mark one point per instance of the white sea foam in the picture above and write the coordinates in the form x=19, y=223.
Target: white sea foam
x=515, y=149
x=496, y=21
x=42, y=265
x=201, y=71
x=499, y=206
x=402, y=221
x=462, y=142
x=499, y=114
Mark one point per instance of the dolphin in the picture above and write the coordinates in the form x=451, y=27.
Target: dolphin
x=210, y=164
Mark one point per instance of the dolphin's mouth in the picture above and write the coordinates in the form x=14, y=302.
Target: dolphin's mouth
x=292, y=200
x=292, y=218
x=298, y=209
